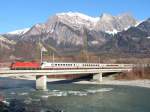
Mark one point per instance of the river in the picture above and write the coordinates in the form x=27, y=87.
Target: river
x=75, y=97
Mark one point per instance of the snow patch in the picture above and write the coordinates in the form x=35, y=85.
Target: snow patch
x=113, y=32
x=94, y=42
x=125, y=29
x=148, y=37
x=17, y=32
x=138, y=23
x=52, y=30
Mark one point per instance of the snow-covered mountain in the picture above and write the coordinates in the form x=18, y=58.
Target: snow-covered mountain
x=73, y=31
x=106, y=23
x=69, y=28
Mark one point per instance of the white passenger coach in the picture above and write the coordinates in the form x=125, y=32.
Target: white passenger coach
x=55, y=65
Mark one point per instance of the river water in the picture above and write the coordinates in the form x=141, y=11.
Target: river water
x=76, y=97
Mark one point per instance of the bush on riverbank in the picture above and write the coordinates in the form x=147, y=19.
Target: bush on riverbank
x=136, y=73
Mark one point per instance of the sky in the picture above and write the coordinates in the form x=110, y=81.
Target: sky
x=19, y=14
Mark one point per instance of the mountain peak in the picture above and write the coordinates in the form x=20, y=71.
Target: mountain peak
x=115, y=24
x=78, y=15
x=125, y=15
x=106, y=17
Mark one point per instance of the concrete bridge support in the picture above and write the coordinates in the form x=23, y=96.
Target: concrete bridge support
x=41, y=82
x=97, y=77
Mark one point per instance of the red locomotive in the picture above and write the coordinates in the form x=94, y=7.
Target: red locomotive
x=18, y=65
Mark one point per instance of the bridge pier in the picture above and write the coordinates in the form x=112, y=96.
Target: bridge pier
x=41, y=82
x=97, y=77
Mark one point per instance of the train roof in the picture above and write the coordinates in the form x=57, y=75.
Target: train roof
x=82, y=63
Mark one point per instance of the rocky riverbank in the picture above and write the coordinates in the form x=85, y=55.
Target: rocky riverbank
x=19, y=106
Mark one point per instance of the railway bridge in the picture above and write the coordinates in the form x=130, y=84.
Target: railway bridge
x=41, y=75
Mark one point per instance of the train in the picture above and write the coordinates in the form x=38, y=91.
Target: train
x=33, y=65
